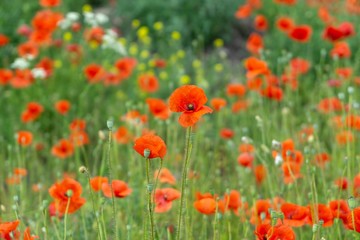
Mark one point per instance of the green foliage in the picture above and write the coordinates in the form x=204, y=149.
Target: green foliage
x=203, y=20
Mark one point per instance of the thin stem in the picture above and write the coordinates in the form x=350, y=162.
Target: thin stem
x=66, y=215
x=110, y=180
x=188, y=148
x=150, y=208
x=98, y=225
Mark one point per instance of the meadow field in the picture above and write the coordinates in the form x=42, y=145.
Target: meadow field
x=179, y=119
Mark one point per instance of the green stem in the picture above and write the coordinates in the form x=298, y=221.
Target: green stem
x=188, y=148
x=66, y=215
x=150, y=208
x=93, y=205
x=115, y=230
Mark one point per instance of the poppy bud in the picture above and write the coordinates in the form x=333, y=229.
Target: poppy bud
x=146, y=153
x=110, y=124
x=315, y=228
x=82, y=169
x=149, y=187
x=2, y=207
x=69, y=193
x=352, y=202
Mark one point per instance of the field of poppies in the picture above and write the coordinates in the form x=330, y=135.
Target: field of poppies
x=125, y=123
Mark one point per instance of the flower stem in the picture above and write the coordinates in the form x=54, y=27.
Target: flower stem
x=150, y=208
x=110, y=180
x=188, y=147
x=66, y=215
x=98, y=224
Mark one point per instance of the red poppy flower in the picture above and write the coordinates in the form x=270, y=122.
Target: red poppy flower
x=122, y=135
x=291, y=172
x=260, y=212
x=341, y=183
x=79, y=138
x=63, y=149
x=328, y=105
x=24, y=138
x=66, y=194
x=94, y=73
x=32, y=112
x=341, y=50
x=273, y=93
x=94, y=34
x=4, y=40
x=254, y=43
x=165, y=176
x=96, y=182
x=261, y=23
x=301, y=33
x=46, y=64
x=62, y=106
x=5, y=76
x=323, y=213
x=294, y=215
x=125, y=66
x=120, y=189
x=246, y=159
x=206, y=206
x=340, y=209
x=148, y=83
x=189, y=100
x=28, y=49
x=280, y=231
x=227, y=133
x=260, y=173
x=353, y=219
x=8, y=228
x=77, y=125
x=50, y=3
x=150, y=142
x=255, y=67
x=233, y=201
x=218, y=103
x=158, y=108
x=285, y=24
x=164, y=198
x=22, y=79
x=235, y=89
x=28, y=236
x=243, y=11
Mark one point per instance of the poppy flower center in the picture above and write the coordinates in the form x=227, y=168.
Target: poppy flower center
x=190, y=107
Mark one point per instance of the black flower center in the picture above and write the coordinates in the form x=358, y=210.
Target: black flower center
x=190, y=107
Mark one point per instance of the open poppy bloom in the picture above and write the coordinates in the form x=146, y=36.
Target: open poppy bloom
x=28, y=236
x=158, y=108
x=189, y=100
x=294, y=215
x=67, y=196
x=340, y=209
x=24, y=138
x=62, y=106
x=122, y=135
x=7, y=228
x=206, y=206
x=301, y=33
x=164, y=198
x=120, y=189
x=323, y=213
x=96, y=182
x=154, y=144
x=32, y=112
x=165, y=176
x=218, y=103
x=50, y=3
x=280, y=231
x=63, y=149
x=353, y=219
